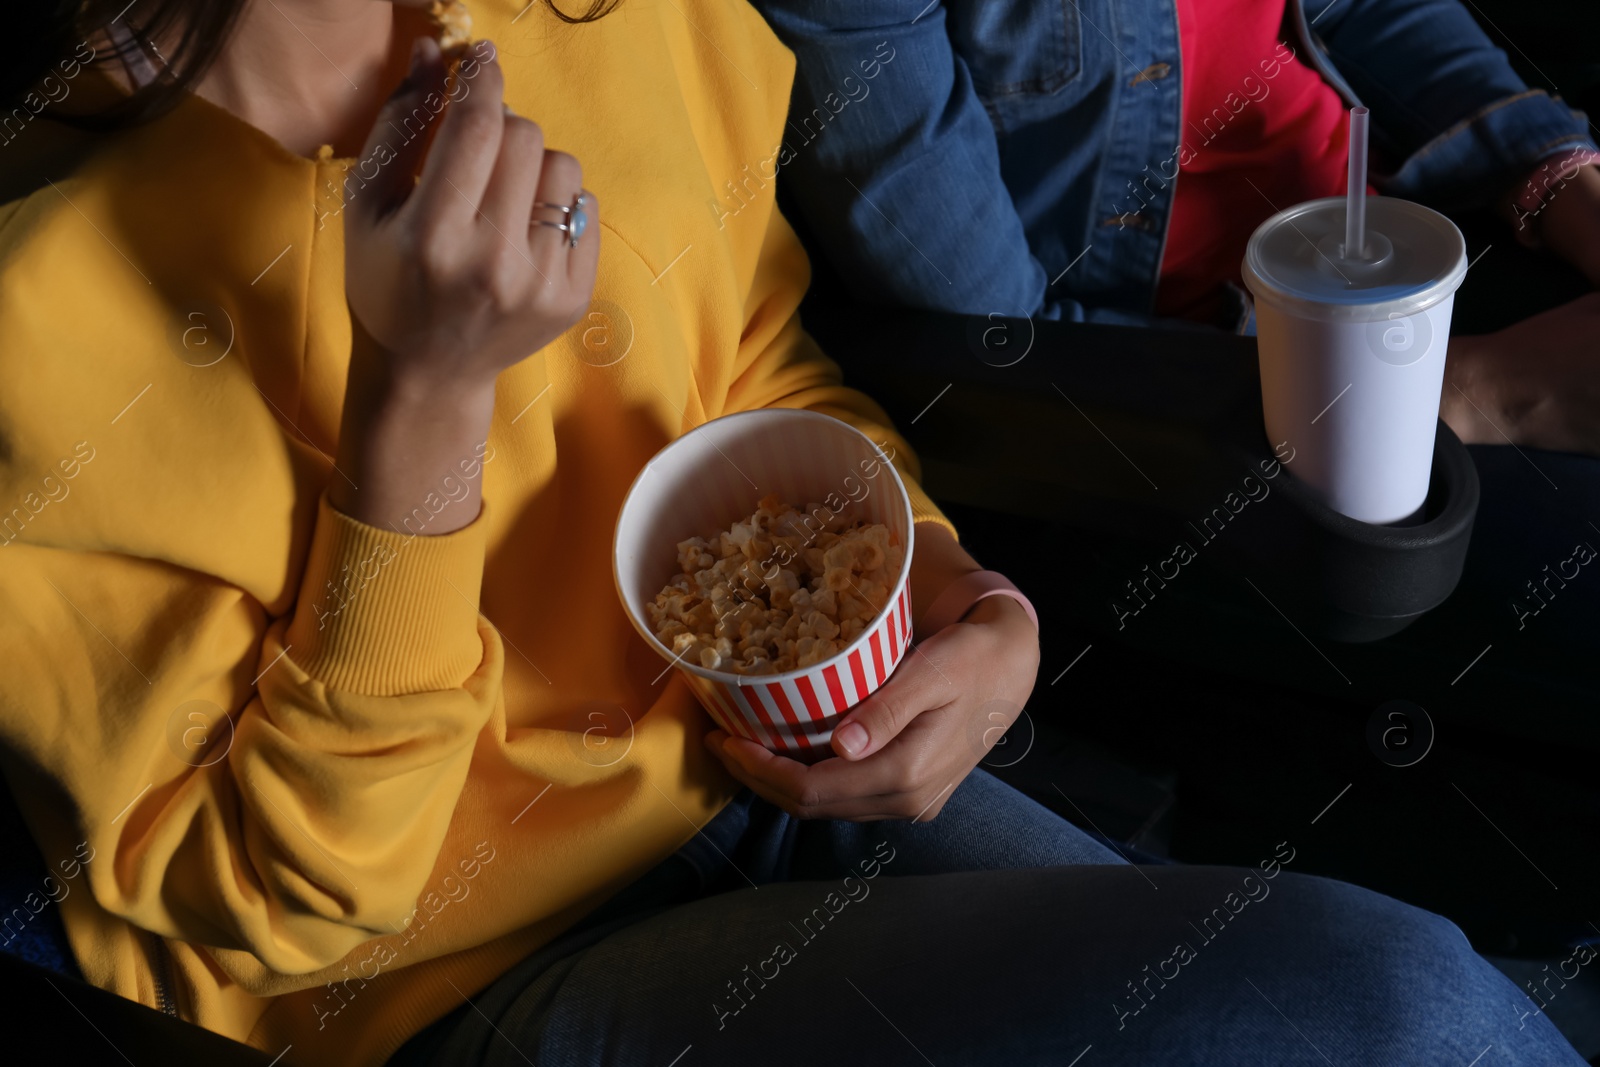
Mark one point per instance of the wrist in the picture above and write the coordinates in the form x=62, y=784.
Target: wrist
x=937, y=560
x=402, y=440
x=1001, y=611
x=1471, y=403
x=1570, y=221
x=415, y=403
x=380, y=382
x=1530, y=206
x=956, y=601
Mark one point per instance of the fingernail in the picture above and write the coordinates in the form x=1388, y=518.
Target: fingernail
x=852, y=737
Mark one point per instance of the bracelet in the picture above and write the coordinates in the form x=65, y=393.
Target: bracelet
x=1535, y=196
x=960, y=595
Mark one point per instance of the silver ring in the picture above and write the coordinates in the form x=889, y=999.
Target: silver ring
x=577, y=219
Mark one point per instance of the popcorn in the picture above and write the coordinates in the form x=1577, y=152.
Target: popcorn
x=453, y=22
x=779, y=590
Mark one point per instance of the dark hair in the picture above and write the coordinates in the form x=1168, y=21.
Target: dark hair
x=53, y=30
x=598, y=9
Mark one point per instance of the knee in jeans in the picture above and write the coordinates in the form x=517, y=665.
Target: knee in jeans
x=1400, y=947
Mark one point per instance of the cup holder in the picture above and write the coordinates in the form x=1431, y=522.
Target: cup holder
x=1355, y=581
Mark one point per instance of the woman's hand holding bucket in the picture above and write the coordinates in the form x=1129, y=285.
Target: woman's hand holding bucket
x=904, y=749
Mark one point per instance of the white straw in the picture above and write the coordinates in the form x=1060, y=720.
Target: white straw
x=1355, y=217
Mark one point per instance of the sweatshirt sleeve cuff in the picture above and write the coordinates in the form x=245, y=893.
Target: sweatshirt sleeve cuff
x=923, y=509
x=385, y=613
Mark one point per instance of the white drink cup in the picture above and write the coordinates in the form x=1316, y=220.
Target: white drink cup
x=1352, y=349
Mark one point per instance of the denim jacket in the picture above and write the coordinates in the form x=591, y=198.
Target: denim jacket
x=1010, y=157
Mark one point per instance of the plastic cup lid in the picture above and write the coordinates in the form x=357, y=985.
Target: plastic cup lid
x=1414, y=258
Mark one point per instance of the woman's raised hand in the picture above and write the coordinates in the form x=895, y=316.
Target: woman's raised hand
x=452, y=276
x=455, y=278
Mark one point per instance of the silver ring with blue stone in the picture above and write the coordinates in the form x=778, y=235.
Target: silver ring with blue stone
x=577, y=218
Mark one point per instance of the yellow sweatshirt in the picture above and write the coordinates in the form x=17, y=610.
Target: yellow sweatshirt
x=312, y=781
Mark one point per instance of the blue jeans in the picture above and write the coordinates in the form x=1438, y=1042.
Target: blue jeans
x=997, y=933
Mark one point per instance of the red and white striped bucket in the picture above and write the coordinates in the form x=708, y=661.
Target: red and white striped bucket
x=714, y=476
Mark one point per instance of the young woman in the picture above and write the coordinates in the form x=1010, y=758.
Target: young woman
x=323, y=386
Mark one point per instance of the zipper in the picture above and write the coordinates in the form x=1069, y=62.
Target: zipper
x=161, y=977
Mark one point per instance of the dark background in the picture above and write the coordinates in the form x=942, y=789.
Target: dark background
x=1554, y=44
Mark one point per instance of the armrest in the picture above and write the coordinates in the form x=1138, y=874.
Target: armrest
x=1108, y=441
x=1142, y=434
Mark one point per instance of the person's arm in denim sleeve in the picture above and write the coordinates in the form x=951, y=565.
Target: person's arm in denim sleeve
x=894, y=163
x=1457, y=122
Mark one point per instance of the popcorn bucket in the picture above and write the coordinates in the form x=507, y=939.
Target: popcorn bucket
x=712, y=477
